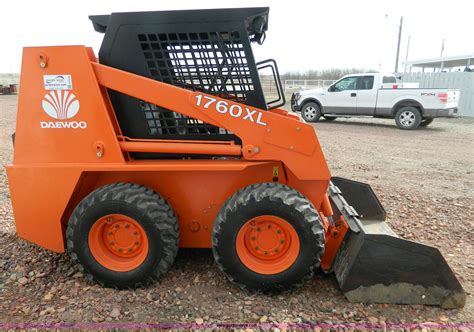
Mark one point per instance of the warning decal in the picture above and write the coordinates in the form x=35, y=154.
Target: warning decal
x=57, y=82
x=275, y=171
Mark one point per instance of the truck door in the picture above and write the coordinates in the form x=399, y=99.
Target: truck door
x=366, y=95
x=342, y=97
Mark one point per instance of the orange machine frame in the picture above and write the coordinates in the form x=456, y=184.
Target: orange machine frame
x=58, y=162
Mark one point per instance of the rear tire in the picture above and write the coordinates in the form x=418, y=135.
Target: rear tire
x=123, y=235
x=408, y=118
x=311, y=112
x=268, y=237
x=426, y=122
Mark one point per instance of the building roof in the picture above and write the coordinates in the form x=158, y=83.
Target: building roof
x=7, y=79
x=445, y=62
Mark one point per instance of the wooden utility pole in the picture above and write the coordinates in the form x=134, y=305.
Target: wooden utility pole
x=406, y=56
x=398, y=43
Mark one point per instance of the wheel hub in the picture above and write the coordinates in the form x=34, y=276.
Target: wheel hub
x=310, y=112
x=266, y=239
x=122, y=237
x=267, y=244
x=118, y=242
x=407, y=118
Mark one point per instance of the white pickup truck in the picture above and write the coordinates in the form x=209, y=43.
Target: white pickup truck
x=377, y=95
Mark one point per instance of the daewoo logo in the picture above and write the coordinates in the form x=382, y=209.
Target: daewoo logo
x=61, y=105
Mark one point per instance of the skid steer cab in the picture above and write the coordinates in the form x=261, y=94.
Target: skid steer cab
x=167, y=141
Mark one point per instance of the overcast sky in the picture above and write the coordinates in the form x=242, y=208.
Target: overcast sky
x=302, y=34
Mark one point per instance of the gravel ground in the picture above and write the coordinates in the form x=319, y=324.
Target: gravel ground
x=424, y=178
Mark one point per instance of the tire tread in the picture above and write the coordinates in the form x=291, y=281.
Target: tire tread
x=275, y=192
x=145, y=200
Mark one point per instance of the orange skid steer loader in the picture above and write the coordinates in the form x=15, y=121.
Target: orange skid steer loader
x=167, y=141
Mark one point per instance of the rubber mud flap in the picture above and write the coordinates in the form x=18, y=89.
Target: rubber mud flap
x=374, y=265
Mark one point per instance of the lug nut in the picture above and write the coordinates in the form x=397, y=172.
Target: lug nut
x=129, y=250
x=269, y=226
x=120, y=250
x=258, y=229
x=135, y=233
x=266, y=252
x=256, y=248
x=253, y=238
x=278, y=231
x=117, y=226
x=282, y=241
x=127, y=226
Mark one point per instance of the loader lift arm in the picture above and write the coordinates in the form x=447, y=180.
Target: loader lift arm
x=265, y=135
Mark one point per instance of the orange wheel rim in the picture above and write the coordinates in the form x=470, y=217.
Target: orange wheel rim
x=118, y=242
x=267, y=244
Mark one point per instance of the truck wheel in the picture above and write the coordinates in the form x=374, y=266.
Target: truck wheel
x=311, y=112
x=268, y=237
x=329, y=118
x=426, y=122
x=123, y=235
x=408, y=117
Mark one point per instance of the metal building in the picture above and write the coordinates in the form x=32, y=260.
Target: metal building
x=456, y=72
x=9, y=78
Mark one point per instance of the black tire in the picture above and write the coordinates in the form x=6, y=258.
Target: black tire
x=408, y=118
x=148, y=209
x=268, y=199
x=329, y=118
x=426, y=122
x=311, y=112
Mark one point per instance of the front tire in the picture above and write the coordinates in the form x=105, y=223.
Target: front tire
x=123, y=235
x=408, y=118
x=268, y=237
x=311, y=112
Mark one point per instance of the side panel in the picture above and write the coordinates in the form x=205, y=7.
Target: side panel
x=39, y=197
x=62, y=114
x=341, y=102
x=367, y=94
x=342, y=96
x=196, y=196
x=44, y=197
x=390, y=99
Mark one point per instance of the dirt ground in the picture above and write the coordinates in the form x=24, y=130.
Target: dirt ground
x=424, y=178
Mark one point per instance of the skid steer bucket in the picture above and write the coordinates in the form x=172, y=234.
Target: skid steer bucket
x=375, y=265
